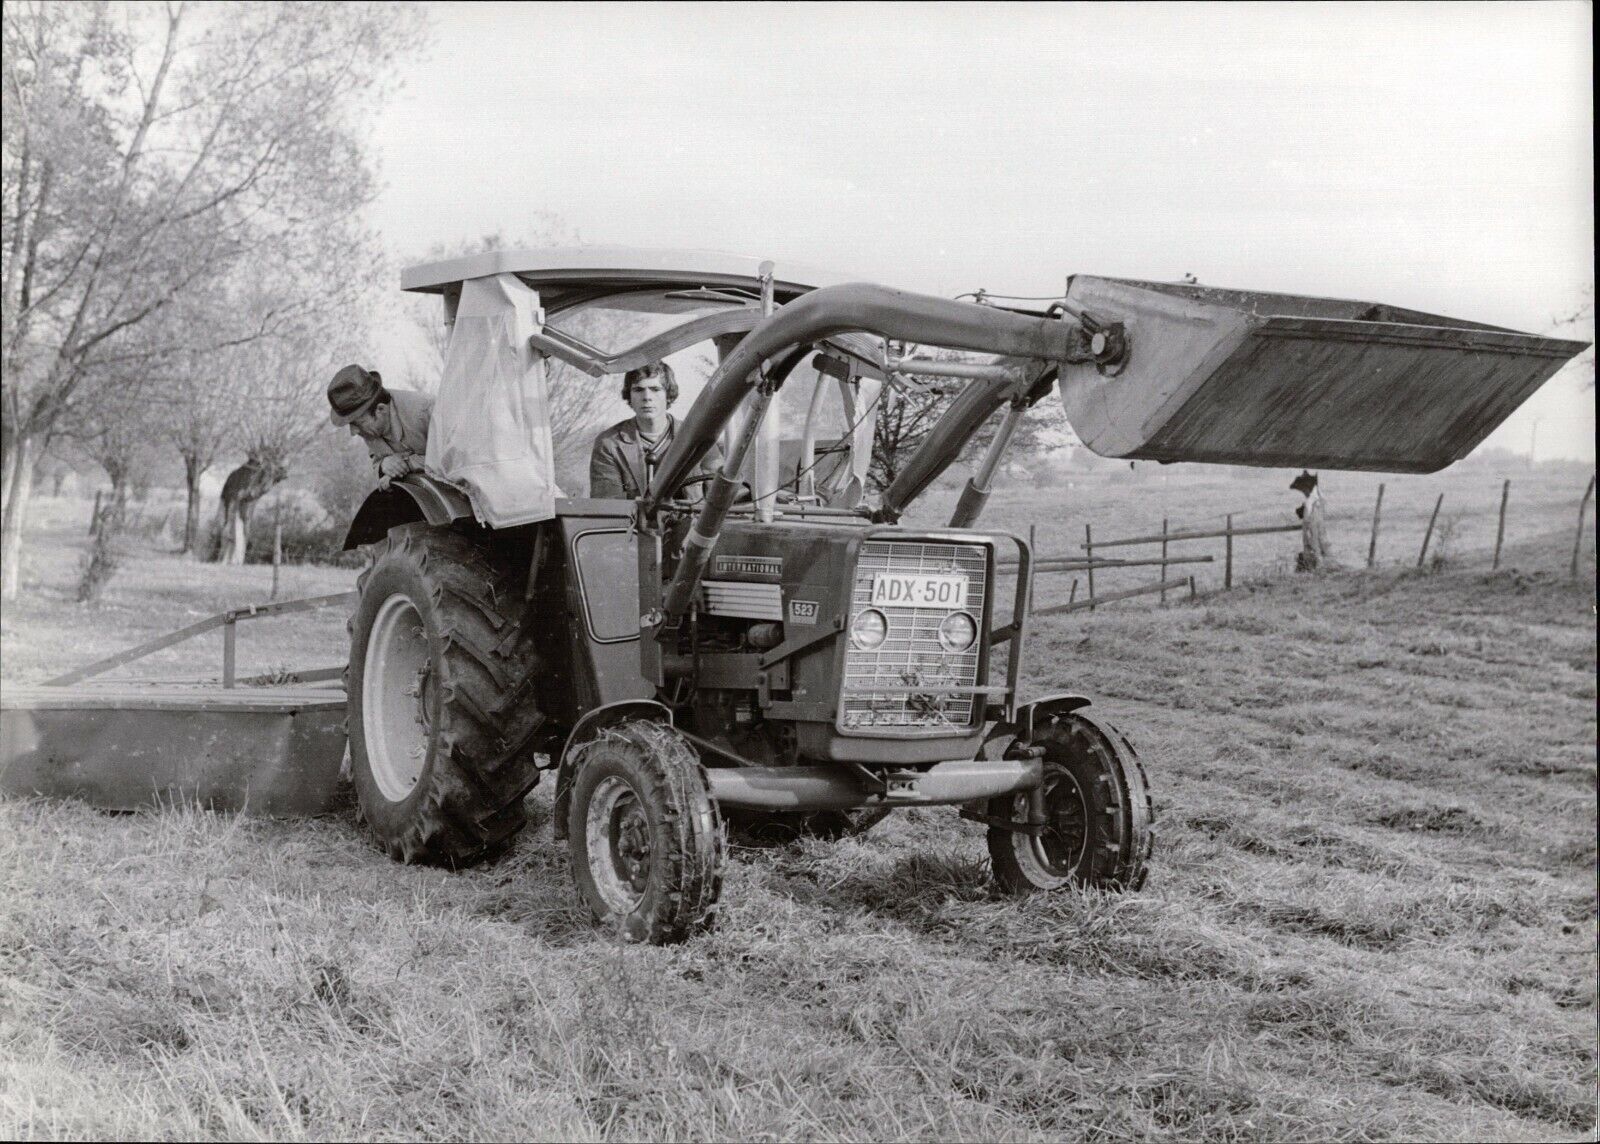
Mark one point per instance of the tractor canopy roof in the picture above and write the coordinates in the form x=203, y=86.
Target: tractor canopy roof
x=567, y=275
x=602, y=310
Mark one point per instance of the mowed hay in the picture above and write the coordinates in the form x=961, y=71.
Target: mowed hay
x=1371, y=915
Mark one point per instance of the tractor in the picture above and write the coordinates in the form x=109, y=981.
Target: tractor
x=765, y=642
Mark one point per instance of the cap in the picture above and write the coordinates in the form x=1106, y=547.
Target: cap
x=352, y=392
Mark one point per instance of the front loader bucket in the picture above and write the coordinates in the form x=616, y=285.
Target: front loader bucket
x=1245, y=378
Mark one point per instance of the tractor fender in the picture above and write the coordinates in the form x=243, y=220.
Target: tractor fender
x=1056, y=703
x=600, y=717
x=414, y=497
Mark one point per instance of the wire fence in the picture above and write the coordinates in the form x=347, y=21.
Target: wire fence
x=1435, y=548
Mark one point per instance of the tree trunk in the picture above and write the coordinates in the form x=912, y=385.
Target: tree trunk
x=117, y=510
x=19, y=492
x=241, y=536
x=105, y=554
x=192, y=472
x=7, y=464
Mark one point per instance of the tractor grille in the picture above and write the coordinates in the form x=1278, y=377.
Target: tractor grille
x=912, y=656
x=751, y=601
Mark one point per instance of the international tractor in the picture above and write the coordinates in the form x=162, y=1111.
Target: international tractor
x=764, y=640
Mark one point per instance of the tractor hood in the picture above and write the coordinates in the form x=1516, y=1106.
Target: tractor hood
x=1247, y=378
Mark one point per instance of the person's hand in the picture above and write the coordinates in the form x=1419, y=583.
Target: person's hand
x=391, y=469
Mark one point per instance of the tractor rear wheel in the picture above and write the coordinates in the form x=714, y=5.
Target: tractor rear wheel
x=441, y=722
x=647, y=841
x=1097, y=809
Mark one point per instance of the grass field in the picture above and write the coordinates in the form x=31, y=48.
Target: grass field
x=1371, y=913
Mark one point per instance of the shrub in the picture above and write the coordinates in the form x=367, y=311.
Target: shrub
x=311, y=535
x=340, y=479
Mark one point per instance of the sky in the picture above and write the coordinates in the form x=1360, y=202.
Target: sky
x=1433, y=156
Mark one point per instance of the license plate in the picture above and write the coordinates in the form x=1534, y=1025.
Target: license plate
x=891, y=591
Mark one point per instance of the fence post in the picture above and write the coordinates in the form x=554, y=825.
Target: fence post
x=1088, y=551
x=1163, y=558
x=1500, y=530
x=1033, y=549
x=1577, y=542
x=1073, y=594
x=1427, y=536
x=1372, y=545
x=277, y=549
x=1191, y=587
x=1227, y=566
x=229, y=628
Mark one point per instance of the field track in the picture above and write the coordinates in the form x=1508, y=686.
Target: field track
x=1371, y=915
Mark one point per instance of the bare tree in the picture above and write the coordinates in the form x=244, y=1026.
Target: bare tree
x=202, y=426
x=907, y=412
x=279, y=412
x=146, y=151
x=116, y=428
x=912, y=405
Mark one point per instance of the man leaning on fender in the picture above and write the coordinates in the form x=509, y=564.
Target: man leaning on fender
x=393, y=423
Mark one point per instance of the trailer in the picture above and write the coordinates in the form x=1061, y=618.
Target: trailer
x=266, y=746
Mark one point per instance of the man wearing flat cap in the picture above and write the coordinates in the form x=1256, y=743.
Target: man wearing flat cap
x=393, y=423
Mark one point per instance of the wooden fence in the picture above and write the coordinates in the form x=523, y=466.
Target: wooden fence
x=1088, y=563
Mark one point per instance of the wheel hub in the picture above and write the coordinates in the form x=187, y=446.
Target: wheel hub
x=398, y=691
x=1066, y=831
x=617, y=837
x=631, y=846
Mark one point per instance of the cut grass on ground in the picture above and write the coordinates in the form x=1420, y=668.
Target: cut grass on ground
x=1371, y=915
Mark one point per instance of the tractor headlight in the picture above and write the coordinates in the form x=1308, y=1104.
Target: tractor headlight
x=869, y=629
x=957, y=631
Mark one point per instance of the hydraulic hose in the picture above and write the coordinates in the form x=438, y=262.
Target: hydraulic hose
x=725, y=485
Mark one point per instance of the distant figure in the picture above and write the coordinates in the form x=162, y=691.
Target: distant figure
x=1313, y=528
x=244, y=487
x=392, y=423
x=625, y=456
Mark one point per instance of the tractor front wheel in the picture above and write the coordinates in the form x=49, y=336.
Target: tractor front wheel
x=646, y=839
x=1097, y=829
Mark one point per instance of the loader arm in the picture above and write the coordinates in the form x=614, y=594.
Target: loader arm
x=891, y=314
x=965, y=416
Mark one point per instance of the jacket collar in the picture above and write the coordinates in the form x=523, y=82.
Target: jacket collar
x=629, y=432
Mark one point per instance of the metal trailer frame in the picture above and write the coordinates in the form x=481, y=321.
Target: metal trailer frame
x=261, y=745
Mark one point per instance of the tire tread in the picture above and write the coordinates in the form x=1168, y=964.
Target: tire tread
x=474, y=805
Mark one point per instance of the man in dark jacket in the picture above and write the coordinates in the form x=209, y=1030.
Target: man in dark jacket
x=392, y=423
x=626, y=455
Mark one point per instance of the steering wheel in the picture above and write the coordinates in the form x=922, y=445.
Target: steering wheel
x=744, y=496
